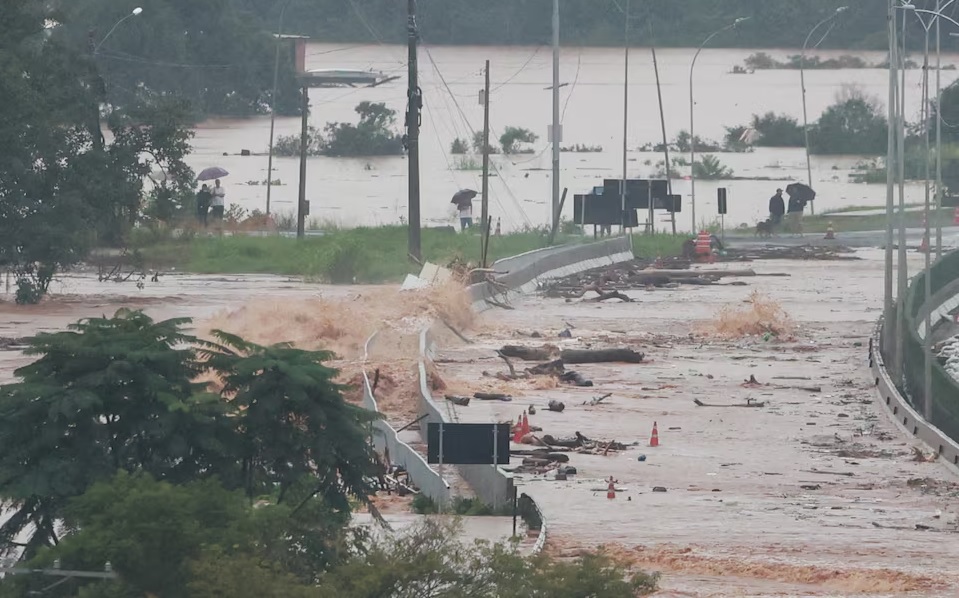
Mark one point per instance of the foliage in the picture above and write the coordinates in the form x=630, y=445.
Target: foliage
x=119, y=394
x=373, y=136
x=777, y=130
x=710, y=168
x=478, y=144
x=288, y=146
x=459, y=146
x=433, y=562
x=763, y=61
x=217, y=54
x=853, y=125
x=63, y=187
x=512, y=136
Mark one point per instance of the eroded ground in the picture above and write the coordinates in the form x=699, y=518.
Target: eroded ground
x=814, y=494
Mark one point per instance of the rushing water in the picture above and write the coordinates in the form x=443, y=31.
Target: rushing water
x=373, y=191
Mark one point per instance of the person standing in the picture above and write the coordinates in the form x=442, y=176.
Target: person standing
x=777, y=208
x=466, y=215
x=203, y=199
x=794, y=217
x=219, y=201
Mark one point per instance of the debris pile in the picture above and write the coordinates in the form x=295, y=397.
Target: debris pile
x=607, y=282
x=783, y=252
x=555, y=451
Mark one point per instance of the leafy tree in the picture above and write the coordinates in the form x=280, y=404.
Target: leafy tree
x=372, y=136
x=459, y=146
x=107, y=395
x=478, y=144
x=513, y=135
x=293, y=423
x=710, y=168
x=778, y=130
x=854, y=125
x=63, y=188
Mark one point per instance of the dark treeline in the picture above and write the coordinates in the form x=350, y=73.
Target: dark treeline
x=772, y=23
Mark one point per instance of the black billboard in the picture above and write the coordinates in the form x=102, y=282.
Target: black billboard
x=468, y=444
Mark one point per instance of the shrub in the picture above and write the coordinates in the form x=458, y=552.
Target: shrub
x=459, y=146
x=345, y=260
x=288, y=146
x=853, y=125
x=710, y=168
x=778, y=130
x=513, y=135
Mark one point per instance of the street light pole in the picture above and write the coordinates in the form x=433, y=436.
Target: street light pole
x=276, y=74
x=557, y=128
x=692, y=129
x=938, y=138
x=135, y=12
x=891, y=168
x=802, y=83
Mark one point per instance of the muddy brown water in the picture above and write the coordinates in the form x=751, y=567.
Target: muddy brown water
x=372, y=191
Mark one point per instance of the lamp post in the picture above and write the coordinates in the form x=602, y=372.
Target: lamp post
x=135, y=12
x=276, y=74
x=927, y=339
x=692, y=130
x=802, y=83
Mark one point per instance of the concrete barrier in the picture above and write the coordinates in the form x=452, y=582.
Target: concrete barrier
x=429, y=481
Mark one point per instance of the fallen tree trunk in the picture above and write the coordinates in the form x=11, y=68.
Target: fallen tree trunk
x=550, y=368
x=543, y=353
x=491, y=396
x=748, y=403
x=603, y=296
x=686, y=273
x=601, y=356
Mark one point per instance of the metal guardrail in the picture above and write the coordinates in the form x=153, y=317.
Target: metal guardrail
x=904, y=395
x=423, y=476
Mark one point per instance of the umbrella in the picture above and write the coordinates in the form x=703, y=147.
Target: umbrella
x=802, y=192
x=214, y=172
x=463, y=196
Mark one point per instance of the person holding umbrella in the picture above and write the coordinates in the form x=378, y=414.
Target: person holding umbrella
x=219, y=201
x=464, y=204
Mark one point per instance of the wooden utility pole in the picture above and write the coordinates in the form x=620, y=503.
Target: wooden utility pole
x=557, y=129
x=622, y=190
x=301, y=210
x=662, y=122
x=413, y=107
x=484, y=230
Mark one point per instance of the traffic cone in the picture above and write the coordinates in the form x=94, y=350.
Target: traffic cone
x=518, y=434
x=654, y=437
x=525, y=425
x=830, y=233
x=924, y=245
x=955, y=216
x=611, y=489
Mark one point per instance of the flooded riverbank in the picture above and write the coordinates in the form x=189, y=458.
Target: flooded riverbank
x=353, y=192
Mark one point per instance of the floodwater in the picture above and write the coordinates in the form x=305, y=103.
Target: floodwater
x=372, y=191
x=814, y=494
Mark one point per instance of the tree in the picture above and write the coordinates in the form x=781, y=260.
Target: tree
x=778, y=130
x=853, y=125
x=119, y=394
x=710, y=168
x=513, y=135
x=164, y=539
x=107, y=395
x=293, y=423
x=372, y=136
x=62, y=188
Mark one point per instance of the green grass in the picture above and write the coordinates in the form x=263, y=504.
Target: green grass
x=371, y=255
x=660, y=245
x=819, y=223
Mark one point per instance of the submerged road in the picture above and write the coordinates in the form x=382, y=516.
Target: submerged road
x=814, y=494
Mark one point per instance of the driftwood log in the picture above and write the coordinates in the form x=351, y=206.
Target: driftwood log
x=550, y=368
x=461, y=401
x=491, y=396
x=605, y=295
x=549, y=352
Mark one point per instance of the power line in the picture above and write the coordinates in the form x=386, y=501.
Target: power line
x=521, y=69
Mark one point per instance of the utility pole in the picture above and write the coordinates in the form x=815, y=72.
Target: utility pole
x=662, y=123
x=938, y=139
x=927, y=340
x=891, y=171
x=622, y=188
x=301, y=209
x=556, y=132
x=484, y=229
x=413, y=106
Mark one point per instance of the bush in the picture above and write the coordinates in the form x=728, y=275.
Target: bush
x=778, y=130
x=710, y=168
x=459, y=146
x=513, y=135
x=288, y=146
x=478, y=144
x=853, y=125
x=345, y=260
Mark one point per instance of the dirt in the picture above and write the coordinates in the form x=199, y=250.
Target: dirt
x=806, y=496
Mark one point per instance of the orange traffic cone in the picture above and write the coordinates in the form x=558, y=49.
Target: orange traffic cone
x=525, y=425
x=654, y=437
x=611, y=489
x=519, y=433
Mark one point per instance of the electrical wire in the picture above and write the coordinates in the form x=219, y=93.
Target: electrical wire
x=521, y=69
x=466, y=120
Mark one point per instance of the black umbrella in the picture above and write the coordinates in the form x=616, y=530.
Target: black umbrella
x=214, y=172
x=800, y=191
x=463, y=196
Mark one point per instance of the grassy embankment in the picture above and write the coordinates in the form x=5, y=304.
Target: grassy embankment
x=847, y=220
x=366, y=255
